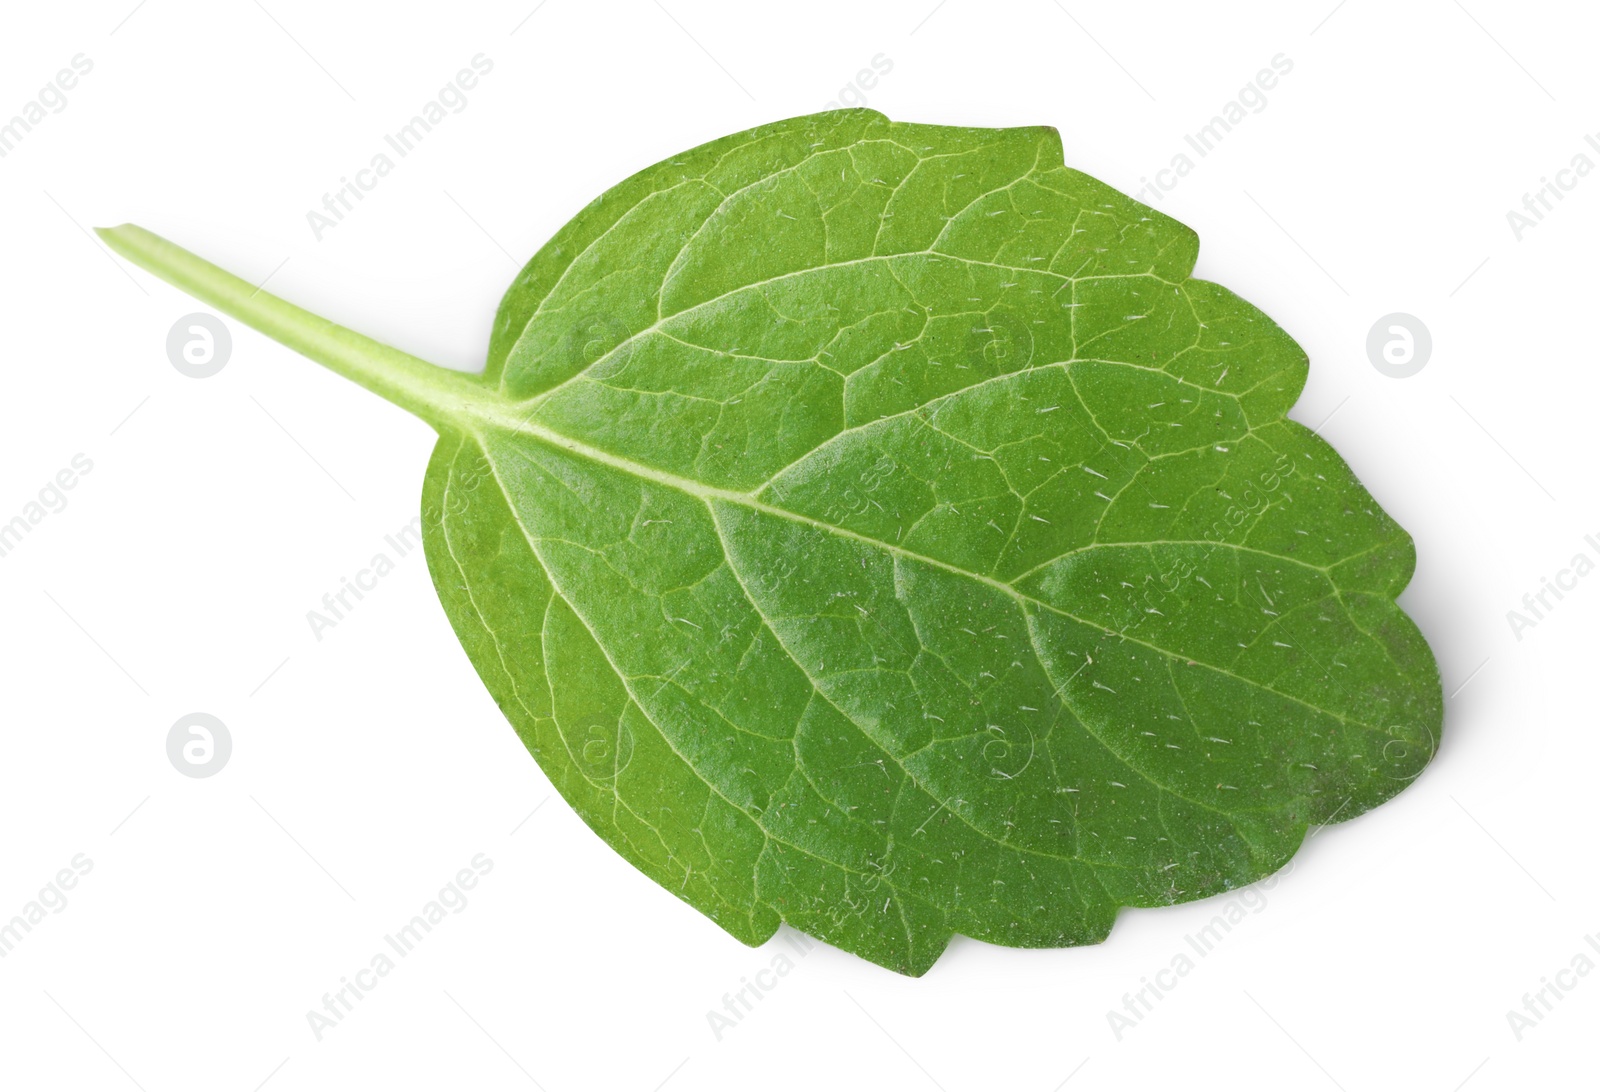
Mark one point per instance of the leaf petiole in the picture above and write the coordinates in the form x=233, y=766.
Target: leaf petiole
x=435, y=394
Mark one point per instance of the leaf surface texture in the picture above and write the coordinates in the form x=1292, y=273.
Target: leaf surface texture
x=884, y=533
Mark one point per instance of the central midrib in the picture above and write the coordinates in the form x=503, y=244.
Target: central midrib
x=492, y=413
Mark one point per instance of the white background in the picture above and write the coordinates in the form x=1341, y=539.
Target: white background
x=370, y=766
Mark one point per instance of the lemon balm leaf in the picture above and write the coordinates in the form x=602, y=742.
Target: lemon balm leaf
x=875, y=527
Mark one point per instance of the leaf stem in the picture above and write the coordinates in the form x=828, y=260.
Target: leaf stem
x=437, y=395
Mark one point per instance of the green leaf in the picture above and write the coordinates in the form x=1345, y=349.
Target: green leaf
x=874, y=527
